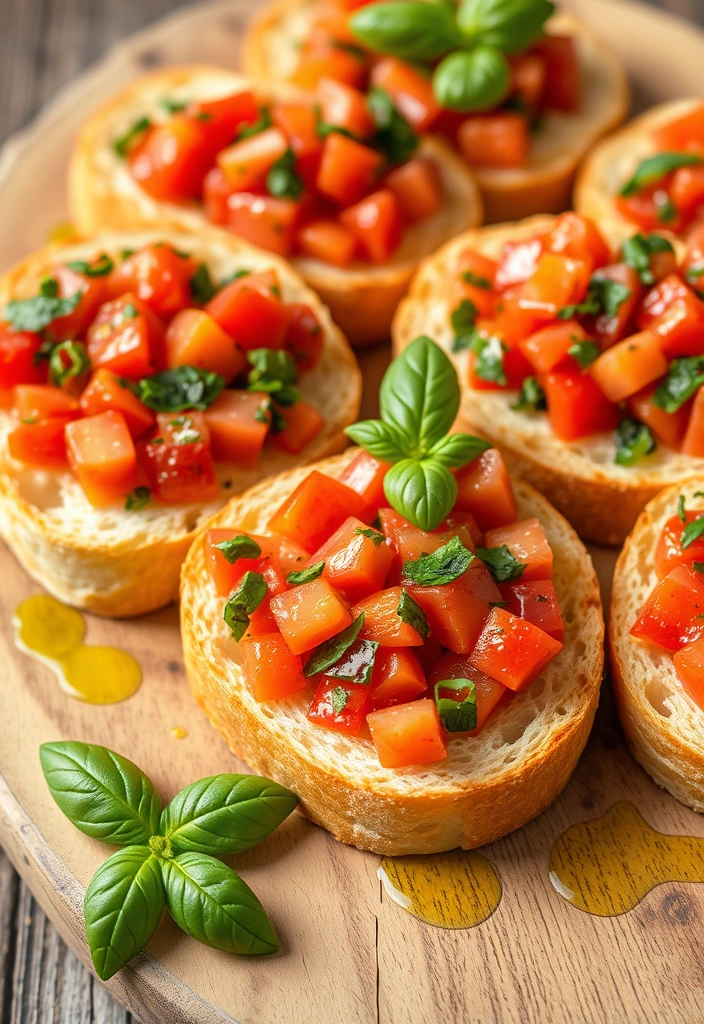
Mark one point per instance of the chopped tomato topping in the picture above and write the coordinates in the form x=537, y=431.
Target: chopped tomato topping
x=158, y=276
x=527, y=542
x=340, y=704
x=673, y=614
x=357, y=561
x=20, y=360
x=693, y=443
x=108, y=391
x=226, y=574
x=365, y=475
x=245, y=164
x=410, y=89
x=169, y=163
x=304, y=339
x=251, y=312
x=577, y=407
x=303, y=423
x=669, y=552
x=127, y=338
x=238, y=422
x=407, y=734
x=32, y=402
x=398, y=677
x=309, y=614
x=417, y=188
x=40, y=444
x=102, y=456
x=180, y=473
x=317, y=507
x=535, y=601
x=376, y=223
x=485, y=490
x=488, y=693
x=630, y=365
x=265, y=222
x=328, y=241
x=563, y=80
x=270, y=668
x=513, y=651
x=193, y=338
x=689, y=665
x=348, y=169
x=383, y=622
x=495, y=140
x=456, y=612
x=667, y=428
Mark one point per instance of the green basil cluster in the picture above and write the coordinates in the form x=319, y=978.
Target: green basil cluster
x=465, y=47
x=419, y=399
x=168, y=856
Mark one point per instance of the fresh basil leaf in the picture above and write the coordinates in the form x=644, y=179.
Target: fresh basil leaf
x=466, y=341
x=240, y=546
x=698, y=567
x=211, y=903
x=684, y=377
x=356, y=664
x=422, y=490
x=123, y=905
x=531, y=397
x=693, y=274
x=271, y=363
x=67, y=360
x=633, y=442
x=410, y=611
x=489, y=361
x=463, y=318
x=243, y=602
x=406, y=29
x=681, y=509
x=98, y=268
x=472, y=80
x=457, y=715
x=379, y=439
x=35, y=314
x=339, y=697
x=394, y=136
x=445, y=565
x=101, y=792
x=282, y=181
x=138, y=499
x=509, y=25
x=131, y=137
x=584, y=352
x=654, y=168
x=692, y=531
x=501, y=563
x=458, y=450
x=327, y=653
x=372, y=535
x=603, y=296
x=420, y=395
x=201, y=285
x=476, y=280
x=638, y=249
x=300, y=576
x=248, y=130
x=179, y=389
x=225, y=813
x=170, y=106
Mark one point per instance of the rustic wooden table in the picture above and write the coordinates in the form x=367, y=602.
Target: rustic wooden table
x=43, y=45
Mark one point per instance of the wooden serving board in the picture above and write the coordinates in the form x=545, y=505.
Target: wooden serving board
x=349, y=952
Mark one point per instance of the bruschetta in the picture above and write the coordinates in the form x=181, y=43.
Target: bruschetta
x=566, y=92
x=419, y=687
x=656, y=639
x=649, y=175
x=580, y=361
x=347, y=191
x=138, y=383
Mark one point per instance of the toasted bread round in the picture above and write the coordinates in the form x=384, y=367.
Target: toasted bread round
x=601, y=499
x=663, y=725
x=610, y=164
x=123, y=563
x=544, y=185
x=362, y=298
x=488, y=786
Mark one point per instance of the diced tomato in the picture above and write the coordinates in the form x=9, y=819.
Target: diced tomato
x=193, y=338
x=251, y=312
x=528, y=78
x=464, y=525
x=667, y=428
x=398, y=677
x=488, y=693
x=303, y=424
x=227, y=575
x=577, y=407
x=40, y=444
x=579, y=238
x=216, y=194
x=536, y=602
x=558, y=281
x=377, y=224
x=309, y=614
x=694, y=255
x=365, y=475
x=407, y=541
x=407, y=734
x=660, y=298
x=629, y=366
x=684, y=134
x=609, y=329
x=515, y=365
x=681, y=327
x=354, y=563
x=673, y=615
x=518, y=262
x=329, y=62
x=238, y=422
x=299, y=123
x=170, y=162
x=304, y=339
x=263, y=220
x=693, y=443
x=476, y=275
x=32, y=402
x=527, y=542
x=349, y=717
x=108, y=391
x=127, y=338
x=318, y=506
x=328, y=241
x=457, y=611
x=222, y=119
x=563, y=79
x=417, y=187
x=410, y=90
x=549, y=347
x=484, y=489
x=669, y=552
x=499, y=139
x=646, y=207
x=271, y=670
x=246, y=163
x=345, y=107
x=689, y=666
x=382, y=622
x=94, y=291
x=182, y=427
x=261, y=620
x=158, y=276
x=20, y=362
x=348, y=169
x=102, y=456
x=513, y=651
x=180, y=473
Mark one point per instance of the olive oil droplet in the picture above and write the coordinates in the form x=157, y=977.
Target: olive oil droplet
x=460, y=889
x=48, y=630
x=606, y=866
x=179, y=733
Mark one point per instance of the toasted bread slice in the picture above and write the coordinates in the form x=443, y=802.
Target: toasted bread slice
x=600, y=499
x=610, y=164
x=663, y=725
x=362, y=298
x=488, y=786
x=119, y=563
x=544, y=185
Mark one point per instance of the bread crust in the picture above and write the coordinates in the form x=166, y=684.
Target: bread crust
x=488, y=786
x=612, y=162
x=663, y=725
x=545, y=183
x=600, y=499
x=362, y=298
x=118, y=563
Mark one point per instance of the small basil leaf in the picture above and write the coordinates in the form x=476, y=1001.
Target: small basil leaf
x=208, y=901
x=692, y=531
x=394, y=136
x=271, y=364
x=179, y=389
x=68, y=360
x=489, y=359
x=282, y=181
x=584, y=352
x=98, y=268
x=446, y=564
x=509, y=25
x=265, y=121
x=131, y=137
x=381, y=440
x=239, y=547
x=138, y=499
x=423, y=491
x=501, y=563
x=373, y=535
x=420, y=395
x=243, y=602
x=633, y=442
x=35, y=314
x=472, y=80
x=300, y=576
x=101, y=792
x=684, y=377
x=458, y=450
x=202, y=285
x=654, y=168
x=603, y=296
x=531, y=397
x=457, y=715
x=123, y=905
x=406, y=29
x=410, y=611
x=356, y=664
x=326, y=654
x=226, y=813
x=463, y=320
x=638, y=249
x=476, y=280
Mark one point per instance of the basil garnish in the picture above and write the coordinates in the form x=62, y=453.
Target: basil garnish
x=603, y=296
x=202, y=286
x=327, y=653
x=457, y=715
x=654, y=168
x=248, y=130
x=446, y=564
x=99, y=268
x=240, y=546
x=501, y=563
x=394, y=135
x=638, y=249
x=138, y=499
x=407, y=30
x=531, y=397
x=476, y=280
x=633, y=442
x=373, y=535
x=300, y=576
x=38, y=312
x=684, y=377
x=472, y=79
x=126, y=142
x=67, y=360
x=273, y=371
x=243, y=602
x=584, y=352
x=463, y=320
x=356, y=664
x=179, y=389
x=489, y=361
x=282, y=181
x=410, y=612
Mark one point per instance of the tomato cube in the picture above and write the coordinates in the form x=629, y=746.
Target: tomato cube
x=673, y=615
x=355, y=563
x=246, y=163
x=304, y=339
x=577, y=407
x=608, y=329
x=685, y=133
x=303, y=424
x=193, y=338
x=536, y=602
x=94, y=292
x=669, y=552
x=667, y=428
x=456, y=612
x=527, y=542
x=226, y=574
x=127, y=338
x=517, y=263
x=32, y=402
x=693, y=443
x=495, y=140
x=108, y=391
x=558, y=281
x=365, y=475
x=223, y=118
x=513, y=651
x=398, y=677
x=251, y=312
x=170, y=161
x=488, y=693
x=238, y=422
x=382, y=621
x=689, y=666
x=299, y=123
x=180, y=473
x=271, y=670
x=102, y=456
x=418, y=189
x=680, y=327
x=158, y=276
x=476, y=276
x=328, y=241
x=528, y=78
x=309, y=614
x=19, y=358
x=550, y=346
x=263, y=221
x=629, y=366
x=377, y=224
x=408, y=734
x=318, y=506
x=345, y=107
x=563, y=76
x=484, y=489
x=339, y=704
x=578, y=237
x=40, y=444
x=410, y=89
x=348, y=169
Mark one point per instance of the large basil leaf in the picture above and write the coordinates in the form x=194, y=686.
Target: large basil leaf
x=458, y=450
x=420, y=395
x=123, y=906
x=380, y=439
x=406, y=29
x=472, y=80
x=509, y=25
x=423, y=491
x=226, y=813
x=102, y=793
x=212, y=903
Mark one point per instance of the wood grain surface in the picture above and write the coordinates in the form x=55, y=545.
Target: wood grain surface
x=43, y=45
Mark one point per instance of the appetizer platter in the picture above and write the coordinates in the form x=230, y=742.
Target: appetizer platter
x=404, y=641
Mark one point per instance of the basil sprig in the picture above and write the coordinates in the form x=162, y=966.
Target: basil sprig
x=419, y=399
x=458, y=715
x=638, y=249
x=38, y=312
x=179, y=389
x=684, y=377
x=330, y=651
x=445, y=565
x=654, y=168
x=243, y=602
x=167, y=859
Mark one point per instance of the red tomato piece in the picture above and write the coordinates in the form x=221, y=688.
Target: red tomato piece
x=681, y=327
x=513, y=651
x=629, y=366
x=299, y=123
x=684, y=134
x=32, y=402
x=563, y=78
x=108, y=391
x=94, y=291
x=398, y=677
x=182, y=427
x=536, y=602
x=271, y=670
x=488, y=693
x=408, y=734
x=577, y=407
x=339, y=704
x=304, y=339
x=410, y=90
x=158, y=276
x=365, y=475
x=689, y=666
x=227, y=575
x=303, y=424
x=558, y=281
x=329, y=62
x=223, y=119
x=309, y=614
x=579, y=238
x=528, y=78
x=238, y=422
x=345, y=107
x=354, y=563
x=127, y=338
x=251, y=312
x=328, y=241
x=485, y=490
x=216, y=195
x=193, y=338
x=495, y=140
x=377, y=224
x=609, y=329
x=318, y=506
x=660, y=298
x=476, y=276
x=264, y=221
x=40, y=444
x=517, y=263
x=464, y=525
x=382, y=622
x=170, y=162
x=180, y=473
x=102, y=456
x=693, y=443
x=19, y=358
x=550, y=346
x=673, y=615
x=667, y=428
x=527, y=542
x=457, y=611
x=246, y=163
x=669, y=552
x=418, y=188
x=348, y=169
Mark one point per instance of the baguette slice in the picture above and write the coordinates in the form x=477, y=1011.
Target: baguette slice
x=663, y=725
x=610, y=164
x=600, y=499
x=120, y=563
x=488, y=786
x=270, y=53
x=362, y=298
